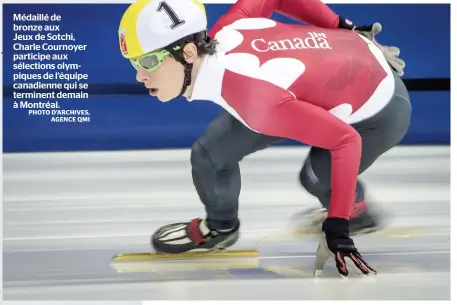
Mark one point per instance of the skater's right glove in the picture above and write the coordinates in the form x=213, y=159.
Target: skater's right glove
x=336, y=243
x=390, y=53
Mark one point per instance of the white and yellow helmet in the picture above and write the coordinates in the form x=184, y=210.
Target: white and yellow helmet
x=149, y=25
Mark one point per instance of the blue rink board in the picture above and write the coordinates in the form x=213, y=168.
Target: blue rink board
x=120, y=121
x=424, y=45
x=124, y=122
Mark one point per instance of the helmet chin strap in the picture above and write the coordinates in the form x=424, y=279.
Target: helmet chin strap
x=197, y=38
x=187, y=76
x=187, y=69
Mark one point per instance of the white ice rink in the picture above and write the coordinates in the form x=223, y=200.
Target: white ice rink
x=67, y=214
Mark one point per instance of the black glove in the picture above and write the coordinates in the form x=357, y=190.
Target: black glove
x=337, y=243
x=370, y=32
x=347, y=24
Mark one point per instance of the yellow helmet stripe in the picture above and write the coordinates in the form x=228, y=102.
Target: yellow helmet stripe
x=128, y=38
x=200, y=5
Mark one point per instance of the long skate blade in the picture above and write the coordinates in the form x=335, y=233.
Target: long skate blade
x=190, y=261
x=401, y=232
x=164, y=267
x=196, y=255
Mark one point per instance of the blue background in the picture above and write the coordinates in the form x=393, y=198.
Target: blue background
x=137, y=121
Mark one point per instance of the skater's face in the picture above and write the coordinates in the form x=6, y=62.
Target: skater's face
x=166, y=81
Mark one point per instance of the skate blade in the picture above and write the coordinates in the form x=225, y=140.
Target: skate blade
x=153, y=256
x=383, y=232
x=190, y=261
x=323, y=254
x=291, y=234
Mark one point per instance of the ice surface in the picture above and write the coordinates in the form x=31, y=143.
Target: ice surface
x=67, y=214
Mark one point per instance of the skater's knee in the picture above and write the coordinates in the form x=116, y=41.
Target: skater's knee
x=309, y=180
x=214, y=160
x=200, y=157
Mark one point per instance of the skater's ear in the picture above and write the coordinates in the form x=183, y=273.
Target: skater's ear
x=190, y=52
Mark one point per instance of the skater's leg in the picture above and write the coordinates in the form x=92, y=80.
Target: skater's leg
x=215, y=167
x=216, y=176
x=379, y=134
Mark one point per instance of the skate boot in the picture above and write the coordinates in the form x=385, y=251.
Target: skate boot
x=362, y=220
x=193, y=235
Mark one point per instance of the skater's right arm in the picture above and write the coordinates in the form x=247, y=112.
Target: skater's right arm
x=313, y=12
x=312, y=125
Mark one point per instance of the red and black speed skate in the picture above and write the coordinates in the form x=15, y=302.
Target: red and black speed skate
x=193, y=235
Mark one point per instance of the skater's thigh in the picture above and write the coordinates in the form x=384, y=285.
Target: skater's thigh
x=320, y=159
x=379, y=134
x=227, y=140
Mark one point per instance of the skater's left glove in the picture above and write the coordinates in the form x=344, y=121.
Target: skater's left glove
x=336, y=243
x=391, y=53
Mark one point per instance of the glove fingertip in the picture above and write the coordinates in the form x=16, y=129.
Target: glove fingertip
x=394, y=50
x=371, y=270
x=377, y=28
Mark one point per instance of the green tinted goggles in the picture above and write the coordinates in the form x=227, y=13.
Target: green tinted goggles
x=150, y=61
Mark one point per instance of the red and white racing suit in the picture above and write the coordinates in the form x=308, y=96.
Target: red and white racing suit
x=299, y=82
